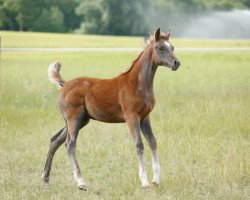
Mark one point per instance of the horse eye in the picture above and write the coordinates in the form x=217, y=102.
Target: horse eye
x=161, y=49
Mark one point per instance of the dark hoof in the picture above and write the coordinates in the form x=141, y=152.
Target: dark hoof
x=46, y=185
x=145, y=187
x=82, y=187
x=155, y=183
x=45, y=180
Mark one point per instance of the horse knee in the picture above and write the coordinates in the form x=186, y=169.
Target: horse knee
x=139, y=147
x=58, y=139
x=70, y=146
x=153, y=143
x=54, y=138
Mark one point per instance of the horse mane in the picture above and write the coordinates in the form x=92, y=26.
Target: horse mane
x=133, y=63
x=147, y=42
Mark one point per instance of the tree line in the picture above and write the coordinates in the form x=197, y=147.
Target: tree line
x=108, y=17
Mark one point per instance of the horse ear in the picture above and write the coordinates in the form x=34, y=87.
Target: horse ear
x=167, y=34
x=157, y=34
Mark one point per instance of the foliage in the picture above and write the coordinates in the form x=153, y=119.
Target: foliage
x=116, y=17
x=36, y=15
x=125, y=17
x=112, y=17
x=91, y=12
x=25, y=11
x=50, y=20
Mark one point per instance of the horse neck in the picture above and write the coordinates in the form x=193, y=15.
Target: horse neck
x=144, y=70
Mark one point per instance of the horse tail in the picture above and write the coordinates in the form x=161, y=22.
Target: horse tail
x=54, y=73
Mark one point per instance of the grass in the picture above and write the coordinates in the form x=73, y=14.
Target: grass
x=24, y=39
x=201, y=122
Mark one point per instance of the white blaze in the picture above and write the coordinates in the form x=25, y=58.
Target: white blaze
x=168, y=45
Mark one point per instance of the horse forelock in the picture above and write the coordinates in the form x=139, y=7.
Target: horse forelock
x=151, y=39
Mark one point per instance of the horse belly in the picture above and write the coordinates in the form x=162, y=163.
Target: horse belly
x=104, y=110
x=113, y=115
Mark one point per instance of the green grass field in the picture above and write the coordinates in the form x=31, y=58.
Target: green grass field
x=20, y=39
x=201, y=122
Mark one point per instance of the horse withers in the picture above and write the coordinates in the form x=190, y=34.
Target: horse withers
x=128, y=98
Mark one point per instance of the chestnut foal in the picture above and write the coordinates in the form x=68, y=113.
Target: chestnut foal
x=128, y=98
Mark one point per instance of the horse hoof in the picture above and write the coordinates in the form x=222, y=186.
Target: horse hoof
x=46, y=184
x=147, y=186
x=45, y=180
x=155, y=183
x=82, y=187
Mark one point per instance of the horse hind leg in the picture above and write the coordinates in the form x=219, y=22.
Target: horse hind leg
x=55, y=142
x=74, y=125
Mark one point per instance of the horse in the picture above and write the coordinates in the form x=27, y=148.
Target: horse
x=128, y=97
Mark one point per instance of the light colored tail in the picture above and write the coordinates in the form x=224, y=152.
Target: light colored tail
x=54, y=73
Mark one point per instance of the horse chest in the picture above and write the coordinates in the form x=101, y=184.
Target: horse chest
x=146, y=103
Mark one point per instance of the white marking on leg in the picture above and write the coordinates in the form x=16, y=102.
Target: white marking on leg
x=142, y=172
x=156, y=168
x=77, y=173
x=79, y=179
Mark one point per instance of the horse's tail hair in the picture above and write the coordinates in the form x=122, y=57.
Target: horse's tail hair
x=54, y=73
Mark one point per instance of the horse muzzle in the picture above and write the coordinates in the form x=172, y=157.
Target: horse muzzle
x=177, y=64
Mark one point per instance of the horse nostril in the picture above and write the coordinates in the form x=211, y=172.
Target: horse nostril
x=177, y=63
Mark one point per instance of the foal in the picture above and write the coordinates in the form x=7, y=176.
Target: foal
x=128, y=98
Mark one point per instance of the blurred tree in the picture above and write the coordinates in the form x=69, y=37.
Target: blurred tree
x=25, y=11
x=246, y=3
x=117, y=17
x=67, y=7
x=225, y=4
x=7, y=18
x=27, y=14
x=114, y=17
x=125, y=17
x=50, y=20
x=92, y=16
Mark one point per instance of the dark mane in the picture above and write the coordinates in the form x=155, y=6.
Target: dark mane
x=132, y=64
x=146, y=45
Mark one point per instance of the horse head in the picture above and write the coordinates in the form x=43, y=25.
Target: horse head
x=163, y=51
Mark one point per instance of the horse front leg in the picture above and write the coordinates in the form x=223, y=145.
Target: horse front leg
x=148, y=133
x=133, y=122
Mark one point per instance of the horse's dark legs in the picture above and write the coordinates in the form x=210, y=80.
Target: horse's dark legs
x=133, y=122
x=55, y=143
x=74, y=125
x=147, y=132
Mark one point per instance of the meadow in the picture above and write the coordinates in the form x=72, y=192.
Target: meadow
x=201, y=121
